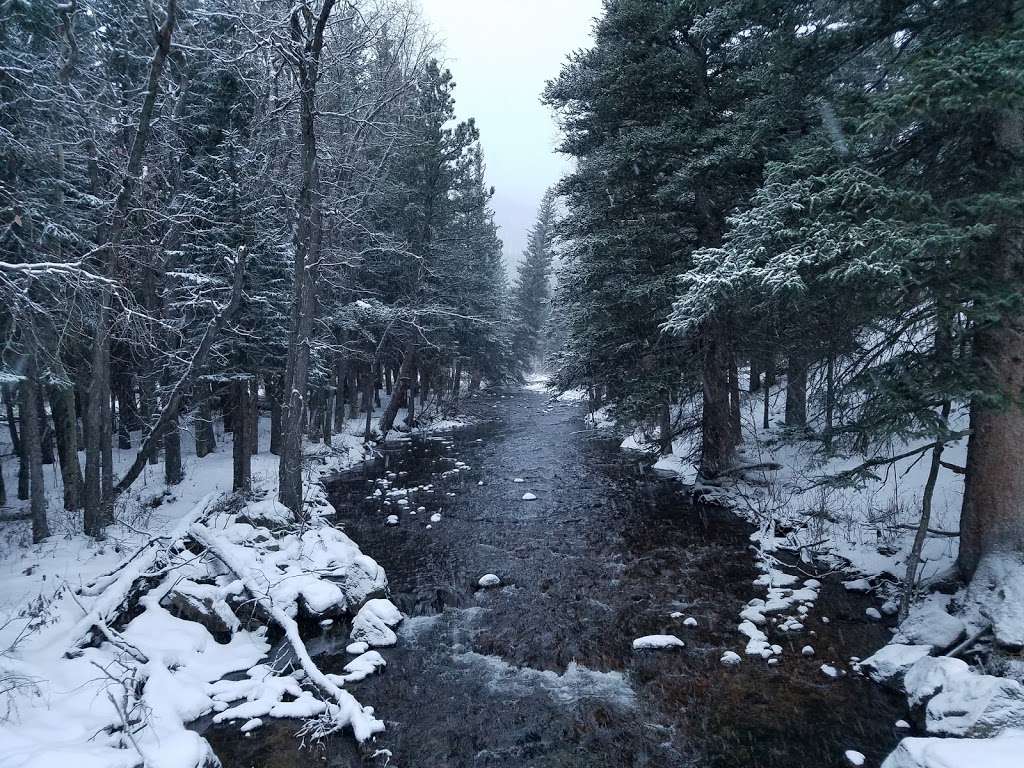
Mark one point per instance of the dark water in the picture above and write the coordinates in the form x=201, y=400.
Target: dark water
x=540, y=672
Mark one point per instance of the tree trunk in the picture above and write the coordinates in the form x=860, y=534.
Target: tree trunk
x=275, y=417
x=754, y=385
x=796, y=391
x=147, y=400
x=30, y=434
x=769, y=370
x=368, y=401
x=62, y=404
x=830, y=400
x=735, y=422
x=341, y=379
x=206, y=441
x=424, y=385
x=991, y=522
x=46, y=436
x=12, y=425
x=457, y=381
x=474, y=379
x=665, y=425
x=172, y=451
x=254, y=416
x=405, y=374
x=716, y=437
x=410, y=400
x=241, y=454
x=124, y=435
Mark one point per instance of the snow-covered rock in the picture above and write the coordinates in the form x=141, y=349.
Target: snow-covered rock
x=854, y=758
x=363, y=666
x=730, y=658
x=873, y=613
x=890, y=663
x=654, y=642
x=391, y=520
x=929, y=624
x=355, y=649
x=489, y=580
x=372, y=625
x=1004, y=751
x=529, y=497
x=997, y=589
x=831, y=671
x=975, y=706
x=689, y=621
x=807, y=651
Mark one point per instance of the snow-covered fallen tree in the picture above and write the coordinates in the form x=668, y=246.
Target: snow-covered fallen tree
x=162, y=631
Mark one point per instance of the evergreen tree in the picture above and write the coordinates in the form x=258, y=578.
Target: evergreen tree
x=532, y=292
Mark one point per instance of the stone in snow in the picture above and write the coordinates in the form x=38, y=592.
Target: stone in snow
x=518, y=480
x=436, y=517
x=730, y=659
x=326, y=622
x=529, y=497
x=251, y=725
x=654, y=642
x=890, y=608
x=807, y=650
x=829, y=671
x=689, y=621
x=357, y=648
x=372, y=624
x=853, y=757
x=890, y=663
x=675, y=615
x=391, y=520
x=872, y=613
x=421, y=509
x=857, y=585
x=902, y=724
x=489, y=580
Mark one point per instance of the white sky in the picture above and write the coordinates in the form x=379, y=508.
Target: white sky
x=501, y=53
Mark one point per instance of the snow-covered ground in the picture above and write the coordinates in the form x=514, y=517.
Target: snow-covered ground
x=62, y=699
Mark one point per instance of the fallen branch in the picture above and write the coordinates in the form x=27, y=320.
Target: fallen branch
x=969, y=642
x=350, y=712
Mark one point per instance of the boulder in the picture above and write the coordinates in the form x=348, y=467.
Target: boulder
x=958, y=702
x=890, y=663
x=929, y=624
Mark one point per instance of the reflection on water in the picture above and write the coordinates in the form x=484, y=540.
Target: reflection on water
x=540, y=671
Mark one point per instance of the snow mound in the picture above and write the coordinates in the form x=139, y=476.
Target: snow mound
x=655, y=642
x=1001, y=752
x=529, y=497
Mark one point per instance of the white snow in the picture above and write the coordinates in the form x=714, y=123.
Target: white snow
x=1003, y=751
x=653, y=642
x=529, y=497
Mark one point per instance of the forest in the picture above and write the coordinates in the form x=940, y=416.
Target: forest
x=254, y=296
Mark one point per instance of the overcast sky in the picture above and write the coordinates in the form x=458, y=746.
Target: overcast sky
x=501, y=52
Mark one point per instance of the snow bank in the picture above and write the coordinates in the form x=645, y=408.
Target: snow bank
x=1004, y=751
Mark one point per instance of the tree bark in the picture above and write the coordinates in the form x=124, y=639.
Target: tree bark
x=796, y=391
x=754, y=385
x=276, y=396
x=12, y=424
